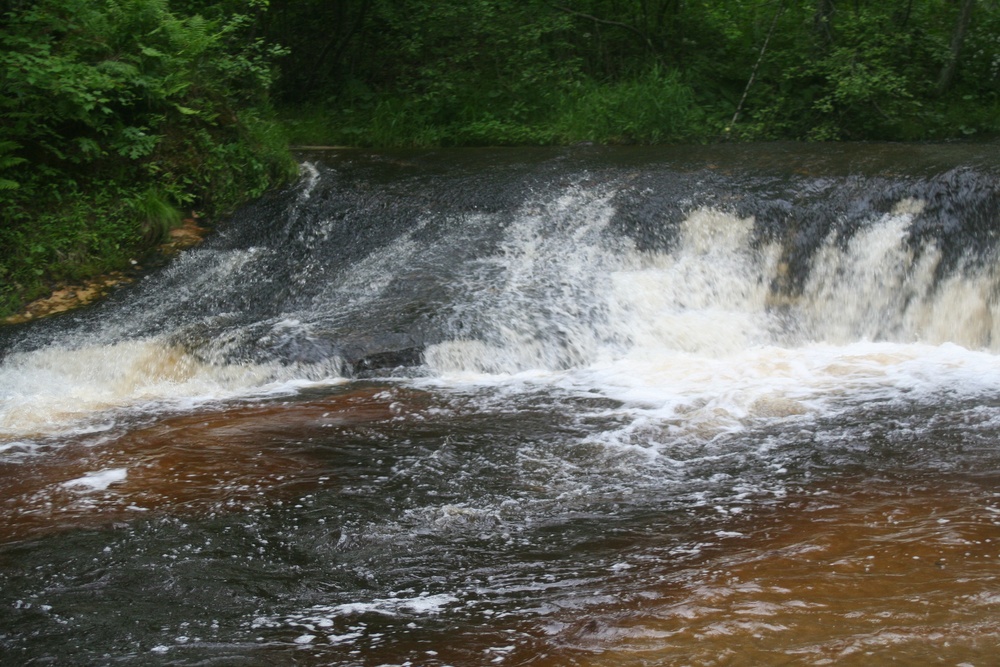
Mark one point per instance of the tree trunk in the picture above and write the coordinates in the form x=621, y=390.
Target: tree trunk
x=321, y=67
x=947, y=77
x=823, y=21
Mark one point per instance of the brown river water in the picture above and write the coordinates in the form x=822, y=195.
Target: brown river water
x=674, y=406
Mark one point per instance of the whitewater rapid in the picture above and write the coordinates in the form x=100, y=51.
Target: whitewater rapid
x=699, y=333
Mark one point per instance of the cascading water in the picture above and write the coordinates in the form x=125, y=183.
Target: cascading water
x=729, y=405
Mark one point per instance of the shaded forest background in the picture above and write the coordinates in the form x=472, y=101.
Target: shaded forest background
x=379, y=72
x=118, y=117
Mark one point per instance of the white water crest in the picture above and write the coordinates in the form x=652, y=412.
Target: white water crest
x=878, y=287
x=55, y=388
x=696, y=342
x=581, y=296
x=574, y=296
x=697, y=333
x=97, y=481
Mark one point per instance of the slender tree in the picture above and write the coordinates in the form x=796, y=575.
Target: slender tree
x=947, y=77
x=823, y=21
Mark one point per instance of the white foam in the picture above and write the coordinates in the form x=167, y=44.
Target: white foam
x=668, y=397
x=694, y=339
x=324, y=618
x=421, y=604
x=17, y=446
x=97, y=481
x=564, y=294
x=58, y=389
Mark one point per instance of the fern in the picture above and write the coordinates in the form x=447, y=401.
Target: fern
x=6, y=161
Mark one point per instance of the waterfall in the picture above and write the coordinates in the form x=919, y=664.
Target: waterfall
x=569, y=267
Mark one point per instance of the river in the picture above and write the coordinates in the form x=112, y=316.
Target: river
x=724, y=405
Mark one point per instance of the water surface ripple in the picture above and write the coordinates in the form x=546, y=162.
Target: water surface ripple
x=730, y=405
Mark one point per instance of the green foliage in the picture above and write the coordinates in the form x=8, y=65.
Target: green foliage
x=864, y=88
x=875, y=78
x=117, y=114
x=653, y=108
x=156, y=213
x=78, y=238
x=490, y=72
x=8, y=160
x=114, y=115
x=417, y=72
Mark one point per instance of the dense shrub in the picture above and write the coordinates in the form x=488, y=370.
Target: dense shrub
x=114, y=116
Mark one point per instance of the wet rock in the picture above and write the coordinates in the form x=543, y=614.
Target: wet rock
x=382, y=352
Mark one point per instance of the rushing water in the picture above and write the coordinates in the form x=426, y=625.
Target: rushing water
x=726, y=405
